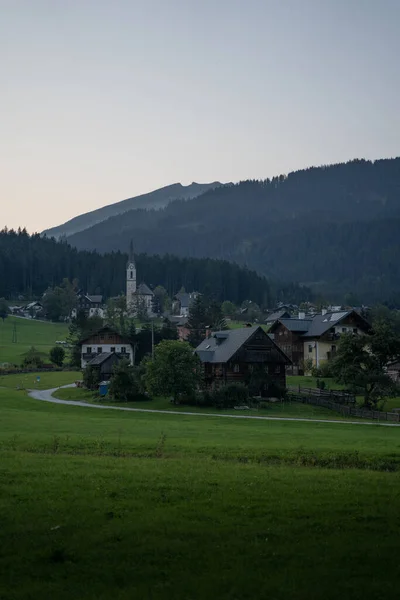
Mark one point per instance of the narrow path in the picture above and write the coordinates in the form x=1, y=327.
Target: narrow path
x=47, y=396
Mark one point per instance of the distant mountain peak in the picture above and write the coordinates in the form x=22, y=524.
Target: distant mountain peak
x=156, y=199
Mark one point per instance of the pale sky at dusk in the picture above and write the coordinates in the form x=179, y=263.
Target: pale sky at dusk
x=103, y=100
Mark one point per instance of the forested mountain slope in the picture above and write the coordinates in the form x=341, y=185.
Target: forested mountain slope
x=31, y=264
x=153, y=200
x=334, y=227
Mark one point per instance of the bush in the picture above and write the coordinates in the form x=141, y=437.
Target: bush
x=323, y=371
x=91, y=378
x=228, y=396
x=32, y=359
x=126, y=385
x=57, y=355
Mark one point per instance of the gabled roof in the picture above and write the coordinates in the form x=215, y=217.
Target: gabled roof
x=275, y=316
x=322, y=323
x=221, y=346
x=97, y=299
x=186, y=299
x=144, y=290
x=99, y=359
x=296, y=325
x=105, y=329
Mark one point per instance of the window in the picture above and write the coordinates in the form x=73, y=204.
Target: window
x=123, y=350
x=278, y=369
x=251, y=368
x=112, y=349
x=131, y=274
x=99, y=350
x=344, y=329
x=236, y=368
x=310, y=347
x=355, y=330
x=89, y=349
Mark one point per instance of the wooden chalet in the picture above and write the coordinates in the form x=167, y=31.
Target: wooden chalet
x=234, y=355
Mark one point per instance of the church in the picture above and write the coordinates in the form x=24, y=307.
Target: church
x=139, y=299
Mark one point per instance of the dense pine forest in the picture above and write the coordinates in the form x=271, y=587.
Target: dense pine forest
x=31, y=264
x=335, y=228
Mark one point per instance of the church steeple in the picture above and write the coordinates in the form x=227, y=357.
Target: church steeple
x=131, y=258
x=130, y=276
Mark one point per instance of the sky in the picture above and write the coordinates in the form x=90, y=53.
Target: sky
x=104, y=100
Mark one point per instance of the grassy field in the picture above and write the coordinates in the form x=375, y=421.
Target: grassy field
x=279, y=409
x=108, y=504
x=29, y=333
x=47, y=381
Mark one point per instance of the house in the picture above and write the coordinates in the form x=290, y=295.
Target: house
x=104, y=363
x=181, y=327
x=234, y=355
x=393, y=370
x=33, y=309
x=315, y=337
x=105, y=341
x=91, y=305
x=182, y=302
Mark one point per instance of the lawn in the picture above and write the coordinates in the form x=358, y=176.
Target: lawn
x=28, y=333
x=99, y=504
x=106, y=504
x=278, y=409
x=47, y=381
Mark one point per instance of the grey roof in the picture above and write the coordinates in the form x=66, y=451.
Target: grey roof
x=275, y=316
x=299, y=325
x=322, y=323
x=100, y=358
x=97, y=299
x=221, y=346
x=144, y=290
x=186, y=299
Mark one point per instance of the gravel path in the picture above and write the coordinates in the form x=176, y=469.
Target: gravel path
x=47, y=396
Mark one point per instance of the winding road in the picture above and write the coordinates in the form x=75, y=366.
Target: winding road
x=47, y=396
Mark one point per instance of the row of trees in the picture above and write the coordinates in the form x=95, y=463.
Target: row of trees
x=29, y=265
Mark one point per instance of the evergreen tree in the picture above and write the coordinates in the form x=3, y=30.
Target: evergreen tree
x=198, y=321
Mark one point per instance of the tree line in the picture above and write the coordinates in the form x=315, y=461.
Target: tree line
x=31, y=264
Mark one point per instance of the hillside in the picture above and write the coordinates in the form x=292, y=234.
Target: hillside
x=31, y=264
x=336, y=228
x=153, y=200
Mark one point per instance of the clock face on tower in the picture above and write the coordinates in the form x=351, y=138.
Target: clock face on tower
x=131, y=266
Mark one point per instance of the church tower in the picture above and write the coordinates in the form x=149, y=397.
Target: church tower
x=130, y=277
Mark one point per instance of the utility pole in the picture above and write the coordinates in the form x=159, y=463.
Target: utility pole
x=152, y=339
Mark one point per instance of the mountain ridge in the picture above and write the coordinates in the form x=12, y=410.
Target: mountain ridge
x=155, y=199
x=334, y=227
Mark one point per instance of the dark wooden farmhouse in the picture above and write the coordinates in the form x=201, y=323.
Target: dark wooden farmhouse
x=104, y=364
x=242, y=355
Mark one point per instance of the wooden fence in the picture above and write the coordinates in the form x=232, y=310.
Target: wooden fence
x=338, y=396
x=348, y=411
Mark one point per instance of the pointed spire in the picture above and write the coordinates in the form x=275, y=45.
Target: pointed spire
x=131, y=253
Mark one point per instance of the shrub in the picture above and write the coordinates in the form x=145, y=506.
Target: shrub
x=57, y=355
x=228, y=396
x=32, y=359
x=91, y=378
x=126, y=385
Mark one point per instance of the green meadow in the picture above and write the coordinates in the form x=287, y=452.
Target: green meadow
x=99, y=504
x=28, y=333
